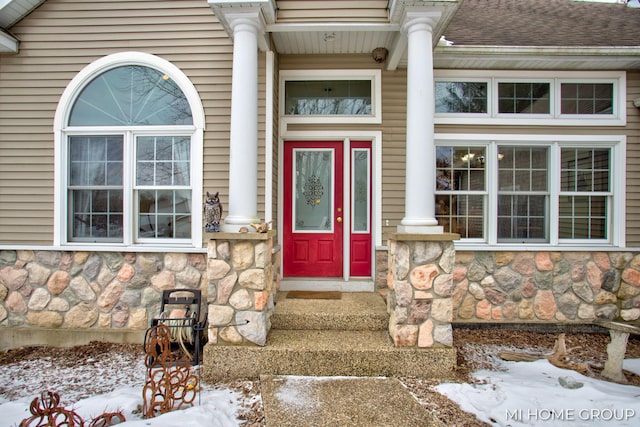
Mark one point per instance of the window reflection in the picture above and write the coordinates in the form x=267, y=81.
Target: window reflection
x=328, y=97
x=131, y=96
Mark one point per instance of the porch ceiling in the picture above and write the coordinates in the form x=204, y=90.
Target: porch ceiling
x=332, y=39
x=315, y=27
x=344, y=27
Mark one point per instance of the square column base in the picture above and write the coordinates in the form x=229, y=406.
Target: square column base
x=421, y=229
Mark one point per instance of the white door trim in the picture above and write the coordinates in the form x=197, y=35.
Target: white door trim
x=346, y=136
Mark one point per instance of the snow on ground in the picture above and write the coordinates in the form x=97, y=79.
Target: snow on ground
x=110, y=383
x=529, y=393
x=512, y=394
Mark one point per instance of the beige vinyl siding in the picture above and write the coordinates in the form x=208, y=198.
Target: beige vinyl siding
x=633, y=161
x=394, y=138
x=275, y=147
x=59, y=39
x=332, y=11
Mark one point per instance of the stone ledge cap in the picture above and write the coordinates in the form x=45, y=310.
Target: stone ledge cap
x=224, y=235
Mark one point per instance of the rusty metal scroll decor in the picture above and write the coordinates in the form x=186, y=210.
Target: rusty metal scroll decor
x=170, y=383
x=46, y=411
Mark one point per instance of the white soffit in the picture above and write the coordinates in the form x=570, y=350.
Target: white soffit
x=8, y=43
x=12, y=11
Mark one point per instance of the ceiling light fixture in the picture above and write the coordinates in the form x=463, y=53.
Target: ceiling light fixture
x=329, y=37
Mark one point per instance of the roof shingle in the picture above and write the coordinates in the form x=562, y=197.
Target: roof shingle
x=544, y=23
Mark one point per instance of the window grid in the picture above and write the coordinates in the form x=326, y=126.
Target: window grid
x=586, y=98
x=461, y=190
x=95, y=193
x=162, y=175
x=511, y=99
x=524, y=98
x=523, y=192
x=572, y=178
x=584, y=193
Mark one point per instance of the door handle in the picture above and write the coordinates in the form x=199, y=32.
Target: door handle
x=339, y=219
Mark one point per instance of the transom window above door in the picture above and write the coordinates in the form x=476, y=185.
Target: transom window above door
x=131, y=159
x=331, y=96
x=327, y=98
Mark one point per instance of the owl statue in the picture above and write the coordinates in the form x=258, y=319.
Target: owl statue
x=212, y=213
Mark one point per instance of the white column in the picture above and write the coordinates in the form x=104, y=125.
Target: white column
x=243, y=150
x=420, y=147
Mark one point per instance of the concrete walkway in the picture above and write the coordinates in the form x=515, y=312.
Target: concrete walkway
x=340, y=401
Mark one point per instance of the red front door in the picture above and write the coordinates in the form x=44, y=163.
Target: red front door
x=313, y=212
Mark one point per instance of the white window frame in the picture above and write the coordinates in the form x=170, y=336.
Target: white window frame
x=495, y=99
x=374, y=76
x=62, y=131
x=489, y=150
x=353, y=185
x=616, y=219
x=555, y=79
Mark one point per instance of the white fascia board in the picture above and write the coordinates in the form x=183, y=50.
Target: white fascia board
x=8, y=44
x=551, y=57
x=541, y=50
x=331, y=26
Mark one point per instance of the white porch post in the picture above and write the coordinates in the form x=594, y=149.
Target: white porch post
x=420, y=147
x=243, y=150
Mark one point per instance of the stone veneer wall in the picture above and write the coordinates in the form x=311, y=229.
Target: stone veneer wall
x=545, y=286
x=105, y=290
x=242, y=283
x=556, y=287
x=420, y=288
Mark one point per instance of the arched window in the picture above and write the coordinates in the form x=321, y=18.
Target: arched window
x=130, y=146
x=131, y=95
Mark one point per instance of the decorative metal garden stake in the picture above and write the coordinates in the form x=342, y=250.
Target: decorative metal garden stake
x=170, y=384
x=47, y=412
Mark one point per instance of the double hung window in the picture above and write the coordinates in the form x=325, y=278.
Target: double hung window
x=554, y=191
x=461, y=189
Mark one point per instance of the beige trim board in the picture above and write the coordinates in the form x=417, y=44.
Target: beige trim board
x=326, y=285
x=11, y=338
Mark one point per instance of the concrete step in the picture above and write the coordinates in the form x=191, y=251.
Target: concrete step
x=326, y=353
x=341, y=401
x=358, y=311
